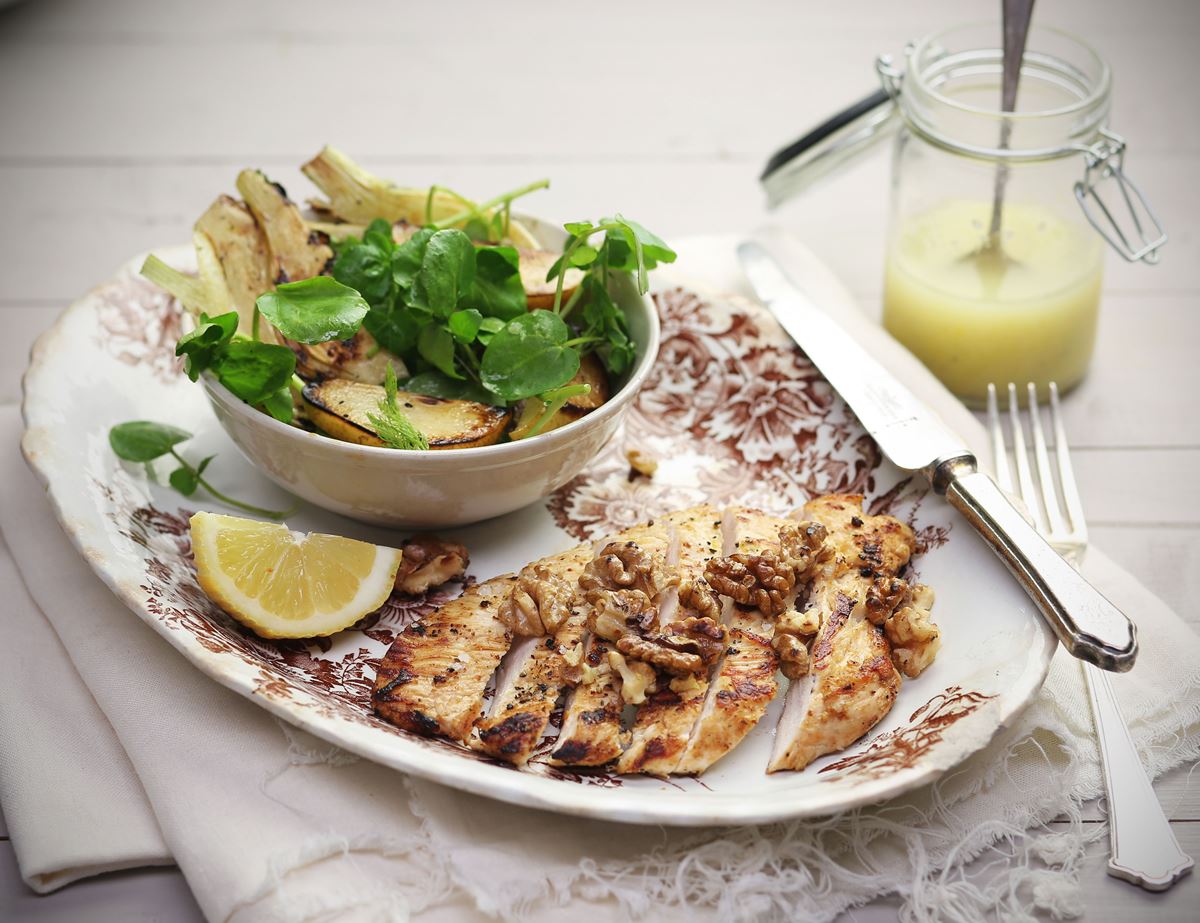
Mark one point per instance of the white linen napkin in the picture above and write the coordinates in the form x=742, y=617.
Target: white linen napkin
x=61, y=767
x=267, y=823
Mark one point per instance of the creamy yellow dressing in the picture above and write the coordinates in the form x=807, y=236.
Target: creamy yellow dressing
x=1025, y=313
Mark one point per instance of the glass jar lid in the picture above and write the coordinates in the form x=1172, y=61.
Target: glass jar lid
x=951, y=87
x=947, y=94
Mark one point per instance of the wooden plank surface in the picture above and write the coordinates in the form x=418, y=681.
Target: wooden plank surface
x=102, y=213
x=123, y=119
x=155, y=895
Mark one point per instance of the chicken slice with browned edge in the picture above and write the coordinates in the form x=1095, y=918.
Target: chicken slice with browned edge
x=745, y=681
x=852, y=682
x=526, y=696
x=664, y=722
x=591, y=733
x=433, y=677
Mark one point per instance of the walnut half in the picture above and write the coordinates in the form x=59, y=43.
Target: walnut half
x=615, y=613
x=763, y=581
x=680, y=648
x=626, y=566
x=769, y=581
x=793, y=655
x=429, y=561
x=539, y=603
x=802, y=547
x=884, y=596
x=914, y=637
x=696, y=596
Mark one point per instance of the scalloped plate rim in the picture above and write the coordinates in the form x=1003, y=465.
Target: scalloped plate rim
x=514, y=787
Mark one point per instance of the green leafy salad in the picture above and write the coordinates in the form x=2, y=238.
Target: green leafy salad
x=340, y=319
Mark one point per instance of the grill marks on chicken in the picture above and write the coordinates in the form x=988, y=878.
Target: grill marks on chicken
x=433, y=677
x=745, y=682
x=689, y=617
x=852, y=683
x=591, y=733
x=522, y=710
x=664, y=722
x=521, y=707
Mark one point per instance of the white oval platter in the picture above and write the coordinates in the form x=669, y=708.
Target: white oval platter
x=732, y=411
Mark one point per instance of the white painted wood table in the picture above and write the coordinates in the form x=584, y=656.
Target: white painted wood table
x=119, y=121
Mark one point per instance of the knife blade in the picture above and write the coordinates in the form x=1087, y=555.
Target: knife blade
x=915, y=439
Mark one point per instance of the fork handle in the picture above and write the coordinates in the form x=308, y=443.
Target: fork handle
x=1143, y=849
x=1086, y=623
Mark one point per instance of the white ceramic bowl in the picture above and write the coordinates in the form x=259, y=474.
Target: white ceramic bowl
x=443, y=488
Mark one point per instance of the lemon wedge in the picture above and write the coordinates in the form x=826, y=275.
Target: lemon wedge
x=285, y=584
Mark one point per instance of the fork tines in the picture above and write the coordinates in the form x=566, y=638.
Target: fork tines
x=1052, y=502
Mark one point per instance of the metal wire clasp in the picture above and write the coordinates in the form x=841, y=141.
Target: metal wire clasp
x=890, y=75
x=1106, y=162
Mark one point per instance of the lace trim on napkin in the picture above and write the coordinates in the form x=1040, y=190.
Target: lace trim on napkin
x=997, y=806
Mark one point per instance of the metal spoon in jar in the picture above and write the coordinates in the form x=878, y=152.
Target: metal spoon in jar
x=1017, y=15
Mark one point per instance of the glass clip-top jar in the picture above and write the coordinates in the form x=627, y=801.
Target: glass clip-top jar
x=997, y=230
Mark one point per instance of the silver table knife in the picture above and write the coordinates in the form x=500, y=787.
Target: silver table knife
x=915, y=439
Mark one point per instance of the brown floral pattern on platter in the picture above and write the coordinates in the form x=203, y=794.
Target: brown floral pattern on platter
x=732, y=412
x=139, y=325
x=903, y=747
x=338, y=671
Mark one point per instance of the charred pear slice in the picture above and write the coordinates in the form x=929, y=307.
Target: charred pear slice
x=342, y=409
x=359, y=358
x=534, y=264
x=591, y=372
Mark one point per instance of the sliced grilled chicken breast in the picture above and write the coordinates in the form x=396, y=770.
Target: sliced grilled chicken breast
x=591, y=733
x=664, y=722
x=852, y=682
x=433, y=677
x=745, y=681
x=523, y=703
x=520, y=714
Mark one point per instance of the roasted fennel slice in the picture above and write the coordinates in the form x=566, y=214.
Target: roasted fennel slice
x=204, y=293
x=359, y=197
x=241, y=248
x=296, y=252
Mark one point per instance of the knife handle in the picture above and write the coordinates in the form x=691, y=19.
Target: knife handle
x=1087, y=624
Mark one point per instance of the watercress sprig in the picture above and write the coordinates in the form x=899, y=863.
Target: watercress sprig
x=143, y=441
x=436, y=300
x=627, y=246
x=474, y=218
x=456, y=313
x=552, y=403
x=449, y=304
x=258, y=373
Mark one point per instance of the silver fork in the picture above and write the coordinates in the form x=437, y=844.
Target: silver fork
x=1142, y=847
